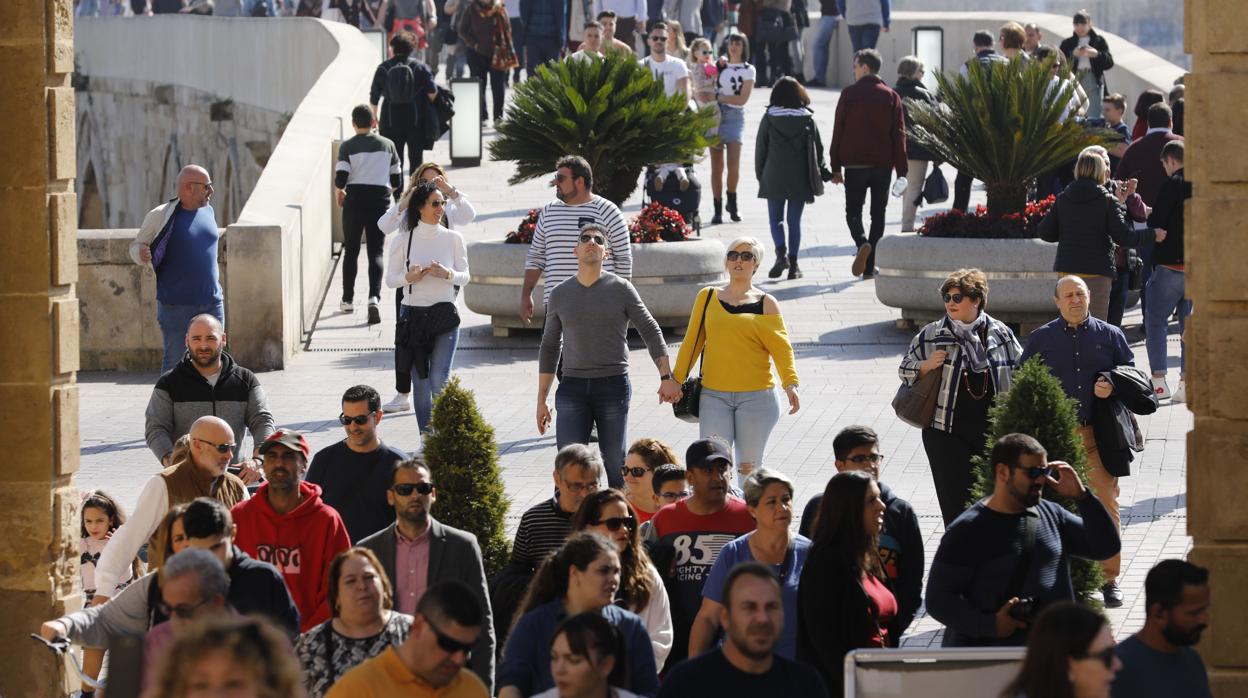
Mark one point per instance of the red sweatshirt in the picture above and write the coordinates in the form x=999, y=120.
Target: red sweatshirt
x=870, y=127
x=300, y=544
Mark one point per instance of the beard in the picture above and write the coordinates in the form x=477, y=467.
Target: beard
x=744, y=645
x=211, y=360
x=416, y=517
x=1180, y=638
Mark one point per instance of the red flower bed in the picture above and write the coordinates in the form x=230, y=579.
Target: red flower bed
x=658, y=223
x=961, y=224
x=524, y=234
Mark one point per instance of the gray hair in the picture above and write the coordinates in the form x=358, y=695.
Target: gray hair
x=758, y=482
x=203, y=564
x=578, y=454
x=910, y=67
x=755, y=246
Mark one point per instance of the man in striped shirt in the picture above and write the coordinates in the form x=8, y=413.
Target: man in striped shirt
x=552, y=254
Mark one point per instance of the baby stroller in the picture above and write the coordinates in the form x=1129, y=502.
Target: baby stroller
x=685, y=202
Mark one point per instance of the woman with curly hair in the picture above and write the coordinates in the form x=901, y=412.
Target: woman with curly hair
x=641, y=591
x=639, y=463
x=242, y=655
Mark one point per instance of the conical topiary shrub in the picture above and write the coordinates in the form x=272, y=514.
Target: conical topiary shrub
x=611, y=111
x=1037, y=405
x=463, y=456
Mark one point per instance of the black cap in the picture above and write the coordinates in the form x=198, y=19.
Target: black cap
x=703, y=452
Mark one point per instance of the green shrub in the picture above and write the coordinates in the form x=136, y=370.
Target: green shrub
x=1037, y=405
x=463, y=456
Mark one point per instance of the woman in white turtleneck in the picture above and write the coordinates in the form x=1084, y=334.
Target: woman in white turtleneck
x=428, y=261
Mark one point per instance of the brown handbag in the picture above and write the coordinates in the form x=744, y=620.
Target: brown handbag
x=916, y=404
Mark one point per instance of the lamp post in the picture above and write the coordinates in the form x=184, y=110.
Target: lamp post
x=466, y=122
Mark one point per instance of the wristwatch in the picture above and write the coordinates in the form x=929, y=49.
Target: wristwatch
x=666, y=377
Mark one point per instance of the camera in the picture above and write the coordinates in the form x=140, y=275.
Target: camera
x=1025, y=610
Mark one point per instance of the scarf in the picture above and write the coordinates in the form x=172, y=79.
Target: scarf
x=969, y=339
x=504, y=54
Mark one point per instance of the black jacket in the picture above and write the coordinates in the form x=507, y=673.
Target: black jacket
x=1168, y=215
x=1086, y=222
x=1113, y=422
x=834, y=616
x=910, y=88
x=417, y=330
x=1103, y=61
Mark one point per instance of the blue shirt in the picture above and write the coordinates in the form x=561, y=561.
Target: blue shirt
x=188, y=273
x=789, y=573
x=1147, y=673
x=1076, y=355
x=526, y=659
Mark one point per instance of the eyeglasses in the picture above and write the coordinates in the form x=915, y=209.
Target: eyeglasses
x=221, y=448
x=614, y=523
x=579, y=487
x=1037, y=472
x=746, y=256
x=437, y=203
x=449, y=644
x=359, y=419
x=596, y=239
x=1105, y=656
x=405, y=489
x=205, y=185
x=181, y=611
x=954, y=298
x=675, y=496
x=862, y=459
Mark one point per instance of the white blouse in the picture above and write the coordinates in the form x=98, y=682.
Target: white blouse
x=430, y=243
x=657, y=616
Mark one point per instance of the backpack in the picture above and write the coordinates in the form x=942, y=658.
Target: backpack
x=401, y=84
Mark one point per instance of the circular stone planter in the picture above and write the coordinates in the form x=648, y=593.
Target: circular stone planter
x=667, y=275
x=1020, y=275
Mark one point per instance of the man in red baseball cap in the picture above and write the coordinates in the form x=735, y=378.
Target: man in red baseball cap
x=288, y=526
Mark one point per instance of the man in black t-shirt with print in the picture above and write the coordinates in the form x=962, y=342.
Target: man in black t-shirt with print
x=355, y=473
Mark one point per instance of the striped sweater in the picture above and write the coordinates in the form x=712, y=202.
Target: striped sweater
x=553, y=249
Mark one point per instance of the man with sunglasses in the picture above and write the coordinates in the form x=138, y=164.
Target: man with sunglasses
x=589, y=315
x=193, y=588
x=202, y=474
x=901, y=540
x=430, y=662
x=1008, y=556
x=354, y=474
x=289, y=526
x=417, y=552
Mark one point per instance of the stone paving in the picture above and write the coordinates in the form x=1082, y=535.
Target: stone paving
x=847, y=345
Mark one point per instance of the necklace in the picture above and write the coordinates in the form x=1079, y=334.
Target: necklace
x=983, y=387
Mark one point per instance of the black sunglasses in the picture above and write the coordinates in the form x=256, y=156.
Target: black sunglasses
x=360, y=419
x=405, y=489
x=597, y=239
x=1106, y=657
x=437, y=203
x=181, y=611
x=221, y=448
x=614, y=523
x=635, y=472
x=658, y=38
x=746, y=256
x=449, y=644
x=956, y=297
x=1038, y=472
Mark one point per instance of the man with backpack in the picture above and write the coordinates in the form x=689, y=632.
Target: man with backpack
x=403, y=81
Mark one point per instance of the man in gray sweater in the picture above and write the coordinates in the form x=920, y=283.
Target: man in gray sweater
x=588, y=315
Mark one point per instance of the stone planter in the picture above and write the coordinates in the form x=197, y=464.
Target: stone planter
x=1020, y=275
x=667, y=275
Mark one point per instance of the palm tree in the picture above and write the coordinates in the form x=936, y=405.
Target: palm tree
x=1003, y=124
x=611, y=111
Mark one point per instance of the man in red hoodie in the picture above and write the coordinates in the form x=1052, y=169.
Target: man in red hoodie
x=288, y=526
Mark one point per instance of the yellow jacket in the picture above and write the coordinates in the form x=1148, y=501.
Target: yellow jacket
x=740, y=348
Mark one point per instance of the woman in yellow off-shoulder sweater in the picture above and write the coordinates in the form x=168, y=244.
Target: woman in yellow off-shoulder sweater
x=742, y=336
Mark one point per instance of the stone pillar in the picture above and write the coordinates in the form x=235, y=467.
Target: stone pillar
x=1217, y=252
x=39, y=317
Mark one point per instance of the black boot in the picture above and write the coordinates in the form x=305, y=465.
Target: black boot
x=719, y=212
x=731, y=207
x=794, y=272
x=781, y=264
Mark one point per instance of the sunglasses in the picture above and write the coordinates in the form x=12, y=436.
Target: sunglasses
x=954, y=298
x=635, y=472
x=746, y=256
x=1038, y=472
x=1105, y=656
x=221, y=448
x=675, y=496
x=874, y=458
x=596, y=239
x=658, y=38
x=437, y=203
x=449, y=644
x=359, y=419
x=181, y=611
x=405, y=489
x=614, y=523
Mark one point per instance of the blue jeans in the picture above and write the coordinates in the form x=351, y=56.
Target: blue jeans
x=863, y=36
x=1165, y=293
x=743, y=419
x=823, y=38
x=174, y=320
x=426, y=390
x=775, y=213
x=580, y=403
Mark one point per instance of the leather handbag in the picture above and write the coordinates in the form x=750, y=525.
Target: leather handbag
x=686, y=408
x=916, y=404
x=812, y=166
x=935, y=187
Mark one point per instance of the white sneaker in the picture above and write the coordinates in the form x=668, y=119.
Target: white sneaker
x=1180, y=393
x=1160, y=389
x=346, y=307
x=401, y=402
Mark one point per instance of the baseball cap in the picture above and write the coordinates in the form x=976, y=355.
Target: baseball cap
x=289, y=438
x=703, y=452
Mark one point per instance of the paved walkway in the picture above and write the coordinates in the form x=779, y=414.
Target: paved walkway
x=847, y=348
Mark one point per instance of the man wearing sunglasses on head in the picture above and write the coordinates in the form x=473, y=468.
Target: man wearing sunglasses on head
x=202, y=474
x=1008, y=556
x=354, y=474
x=589, y=315
x=417, y=552
x=289, y=526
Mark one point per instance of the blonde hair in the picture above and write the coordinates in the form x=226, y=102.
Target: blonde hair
x=415, y=180
x=1091, y=165
x=677, y=32
x=1013, y=35
x=755, y=246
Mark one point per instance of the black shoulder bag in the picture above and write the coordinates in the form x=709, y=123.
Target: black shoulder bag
x=686, y=408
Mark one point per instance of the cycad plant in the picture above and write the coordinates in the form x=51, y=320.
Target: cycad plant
x=1037, y=405
x=1003, y=124
x=610, y=111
